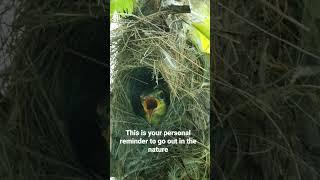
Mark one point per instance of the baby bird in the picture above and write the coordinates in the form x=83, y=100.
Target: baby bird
x=154, y=106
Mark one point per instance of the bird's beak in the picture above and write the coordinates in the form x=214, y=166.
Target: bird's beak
x=149, y=115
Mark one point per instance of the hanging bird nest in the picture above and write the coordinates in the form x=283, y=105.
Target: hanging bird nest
x=153, y=52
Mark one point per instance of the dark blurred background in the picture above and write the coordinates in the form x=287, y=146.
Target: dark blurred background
x=266, y=89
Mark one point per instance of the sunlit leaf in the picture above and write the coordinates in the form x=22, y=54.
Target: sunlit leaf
x=121, y=6
x=200, y=35
x=200, y=26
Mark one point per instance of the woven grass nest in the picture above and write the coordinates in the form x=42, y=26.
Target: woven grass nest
x=265, y=102
x=149, y=52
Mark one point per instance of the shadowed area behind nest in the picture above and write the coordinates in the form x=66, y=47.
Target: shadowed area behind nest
x=149, y=99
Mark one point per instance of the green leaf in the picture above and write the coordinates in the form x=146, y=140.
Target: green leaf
x=200, y=35
x=200, y=25
x=121, y=6
x=203, y=27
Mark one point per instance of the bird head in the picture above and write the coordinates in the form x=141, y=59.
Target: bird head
x=154, y=106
